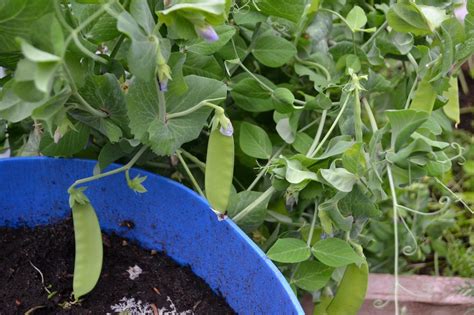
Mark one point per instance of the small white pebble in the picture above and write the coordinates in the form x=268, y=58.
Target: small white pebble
x=134, y=272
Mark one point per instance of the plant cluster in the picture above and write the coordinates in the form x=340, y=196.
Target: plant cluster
x=336, y=109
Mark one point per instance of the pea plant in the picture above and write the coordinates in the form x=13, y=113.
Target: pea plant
x=335, y=106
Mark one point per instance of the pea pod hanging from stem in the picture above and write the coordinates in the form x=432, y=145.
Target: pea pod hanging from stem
x=219, y=162
x=351, y=291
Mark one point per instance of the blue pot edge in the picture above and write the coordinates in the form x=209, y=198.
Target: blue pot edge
x=227, y=220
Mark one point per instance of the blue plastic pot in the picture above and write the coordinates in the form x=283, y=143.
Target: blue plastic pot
x=169, y=217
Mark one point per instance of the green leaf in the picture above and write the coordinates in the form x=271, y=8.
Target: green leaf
x=336, y=253
x=240, y=201
x=143, y=49
x=16, y=18
x=359, y=205
x=12, y=108
x=249, y=95
x=203, y=66
x=356, y=18
x=339, y=178
x=203, y=47
x=146, y=125
x=425, y=97
x=407, y=17
x=273, y=51
x=296, y=173
x=404, y=122
x=289, y=250
x=353, y=159
x=283, y=100
x=288, y=10
x=71, y=143
x=451, y=109
x=254, y=141
x=311, y=275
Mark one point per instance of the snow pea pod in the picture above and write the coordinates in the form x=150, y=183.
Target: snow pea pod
x=219, y=168
x=89, y=251
x=351, y=291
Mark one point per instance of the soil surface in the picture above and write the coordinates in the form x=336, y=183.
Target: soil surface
x=163, y=286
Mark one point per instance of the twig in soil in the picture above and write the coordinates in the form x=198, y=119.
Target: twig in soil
x=157, y=291
x=50, y=293
x=155, y=309
x=31, y=310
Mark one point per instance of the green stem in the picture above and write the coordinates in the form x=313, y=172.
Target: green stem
x=117, y=46
x=374, y=35
x=410, y=95
x=395, y=233
x=112, y=172
x=198, y=106
x=193, y=159
x=263, y=170
x=242, y=214
x=85, y=105
x=373, y=123
x=316, y=65
x=313, y=223
x=357, y=117
x=463, y=83
x=190, y=175
x=328, y=134
x=319, y=132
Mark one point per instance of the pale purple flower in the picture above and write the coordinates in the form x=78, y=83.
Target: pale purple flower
x=228, y=130
x=461, y=12
x=207, y=32
x=164, y=85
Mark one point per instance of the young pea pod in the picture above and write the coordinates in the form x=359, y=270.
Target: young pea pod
x=88, y=240
x=351, y=291
x=219, y=167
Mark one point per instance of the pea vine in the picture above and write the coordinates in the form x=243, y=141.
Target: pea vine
x=316, y=114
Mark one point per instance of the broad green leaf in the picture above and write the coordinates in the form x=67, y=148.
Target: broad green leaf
x=336, y=146
x=339, y=178
x=330, y=214
x=336, y=253
x=425, y=97
x=140, y=10
x=71, y=143
x=254, y=141
x=285, y=130
x=16, y=18
x=202, y=47
x=273, y=51
x=100, y=30
x=289, y=250
x=296, y=173
x=249, y=95
x=353, y=159
x=143, y=49
x=288, y=10
x=451, y=109
x=311, y=275
x=359, y=205
x=404, y=122
x=203, y=66
x=240, y=201
x=14, y=109
x=146, y=125
x=356, y=18
x=407, y=17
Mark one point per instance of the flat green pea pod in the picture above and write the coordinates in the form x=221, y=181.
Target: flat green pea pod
x=88, y=240
x=351, y=292
x=219, y=167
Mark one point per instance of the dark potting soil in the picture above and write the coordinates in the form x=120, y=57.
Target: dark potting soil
x=163, y=284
